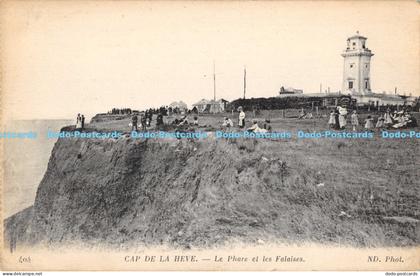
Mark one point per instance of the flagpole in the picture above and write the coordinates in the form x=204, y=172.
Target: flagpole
x=214, y=80
x=244, y=81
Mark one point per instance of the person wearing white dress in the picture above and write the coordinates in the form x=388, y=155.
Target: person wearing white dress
x=354, y=120
x=342, y=117
x=388, y=119
x=241, y=122
x=380, y=122
x=331, y=121
x=78, y=121
x=369, y=123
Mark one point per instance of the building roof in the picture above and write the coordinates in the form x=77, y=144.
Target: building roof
x=357, y=35
x=201, y=102
x=382, y=96
x=305, y=95
x=179, y=104
x=204, y=101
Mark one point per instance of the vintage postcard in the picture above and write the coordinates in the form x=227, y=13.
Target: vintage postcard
x=210, y=135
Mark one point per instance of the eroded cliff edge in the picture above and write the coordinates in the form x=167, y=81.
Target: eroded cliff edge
x=131, y=192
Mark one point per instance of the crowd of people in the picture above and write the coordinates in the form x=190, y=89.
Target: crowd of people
x=388, y=120
x=143, y=121
x=146, y=119
x=121, y=111
x=164, y=110
x=338, y=120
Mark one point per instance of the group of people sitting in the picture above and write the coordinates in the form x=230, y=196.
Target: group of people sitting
x=228, y=123
x=305, y=115
x=401, y=119
x=183, y=121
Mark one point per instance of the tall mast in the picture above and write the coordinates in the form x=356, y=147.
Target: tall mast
x=214, y=80
x=244, y=81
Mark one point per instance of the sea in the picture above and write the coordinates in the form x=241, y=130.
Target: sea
x=25, y=161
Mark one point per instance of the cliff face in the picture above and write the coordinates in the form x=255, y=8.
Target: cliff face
x=128, y=192
x=123, y=191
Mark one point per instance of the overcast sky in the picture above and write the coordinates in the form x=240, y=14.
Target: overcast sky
x=62, y=58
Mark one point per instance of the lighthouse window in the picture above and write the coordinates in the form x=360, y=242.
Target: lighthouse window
x=350, y=85
x=366, y=84
x=351, y=65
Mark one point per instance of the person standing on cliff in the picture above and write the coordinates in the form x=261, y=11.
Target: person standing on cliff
x=159, y=121
x=241, y=118
x=342, y=111
x=134, y=120
x=336, y=116
x=143, y=122
x=78, y=121
x=83, y=121
x=331, y=121
x=354, y=120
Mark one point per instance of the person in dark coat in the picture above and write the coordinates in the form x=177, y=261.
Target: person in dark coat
x=134, y=120
x=83, y=121
x=337, y=122
x=143, y=122
x=159, y=120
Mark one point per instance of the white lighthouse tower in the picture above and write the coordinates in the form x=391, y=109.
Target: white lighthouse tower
x=356, y=73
